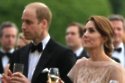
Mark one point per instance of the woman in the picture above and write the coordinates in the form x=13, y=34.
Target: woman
x=21, y=41
x=99, y=68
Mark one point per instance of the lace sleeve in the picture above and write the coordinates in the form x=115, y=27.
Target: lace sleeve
x=118, y=74
x=74, y=71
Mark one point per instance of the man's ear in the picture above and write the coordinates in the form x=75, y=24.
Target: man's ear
x=44, y=23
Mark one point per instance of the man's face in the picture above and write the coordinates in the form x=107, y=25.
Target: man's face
x=8, y=38
x=21, y=43
x=118, y=31
x=72, y=37
x=30, y=25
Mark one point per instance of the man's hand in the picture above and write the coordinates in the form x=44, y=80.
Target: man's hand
x=6, y=76
x=18, y=77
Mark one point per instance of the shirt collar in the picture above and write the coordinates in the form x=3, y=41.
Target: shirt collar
x=45, y=41
x=78, y=51
x=10, y=51
x=121, y=45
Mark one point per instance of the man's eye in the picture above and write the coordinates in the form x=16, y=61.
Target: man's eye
x=119, y=29
x=28, y=22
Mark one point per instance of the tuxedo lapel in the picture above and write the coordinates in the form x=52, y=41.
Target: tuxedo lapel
x=24, y=58
x=1, y=66
x=44, y=59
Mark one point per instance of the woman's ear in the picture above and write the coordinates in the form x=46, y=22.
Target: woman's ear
x=104, y=39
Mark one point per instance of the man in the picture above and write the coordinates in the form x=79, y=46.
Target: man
x=73, y=38
x=118, y=24
x=36, y=19
x=8, y=34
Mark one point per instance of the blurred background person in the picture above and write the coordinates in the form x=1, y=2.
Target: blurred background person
x=124, y=39
x=21, y=41
x=118, y=24
x=73, y=39
x=8, y=35
x=99, y=68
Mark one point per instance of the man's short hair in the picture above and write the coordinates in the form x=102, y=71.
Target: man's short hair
x=117, y=18
x=42, y=11
x=80, y=27
x=7, y=24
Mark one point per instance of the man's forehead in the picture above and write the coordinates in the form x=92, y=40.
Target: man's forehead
x=28, y=12
x=10, y=28
x=29, y=9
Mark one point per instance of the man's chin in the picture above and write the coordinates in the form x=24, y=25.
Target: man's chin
x=9, y=48
x=117, y=42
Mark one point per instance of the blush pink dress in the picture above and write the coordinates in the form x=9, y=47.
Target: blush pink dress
x=86, y=71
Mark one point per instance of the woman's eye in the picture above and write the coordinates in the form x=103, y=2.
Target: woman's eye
x=84, y=30
x=91, y=30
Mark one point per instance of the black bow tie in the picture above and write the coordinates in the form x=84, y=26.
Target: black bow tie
x=118, y=49
x=6, y=54
x=38, y=47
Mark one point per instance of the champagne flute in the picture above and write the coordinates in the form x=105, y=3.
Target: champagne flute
x=53, y=75
x=113, y=81
x=18, y=67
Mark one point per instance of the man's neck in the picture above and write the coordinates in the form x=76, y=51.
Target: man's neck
x=7, y=50
x=76, y=48
x=40, y=38
x=116, y=44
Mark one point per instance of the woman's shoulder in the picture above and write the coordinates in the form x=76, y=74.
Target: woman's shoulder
x=117, y=72
x=82, y=61
x=116, y=66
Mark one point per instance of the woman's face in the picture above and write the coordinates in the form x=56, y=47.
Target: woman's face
x=91, y=38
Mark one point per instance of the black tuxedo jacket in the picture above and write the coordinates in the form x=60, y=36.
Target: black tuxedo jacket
x=53, y=55
x=83, y=54
x=1, y=65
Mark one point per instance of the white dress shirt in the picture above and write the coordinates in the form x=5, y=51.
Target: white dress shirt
x=5, y=59
x=120, y=55
x=78, y=51
x=34, y=58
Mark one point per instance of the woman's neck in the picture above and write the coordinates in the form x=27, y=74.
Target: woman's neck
x=98, y=55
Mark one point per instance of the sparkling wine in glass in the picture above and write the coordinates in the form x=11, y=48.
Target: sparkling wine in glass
x=113, y=81
x=53, y=75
